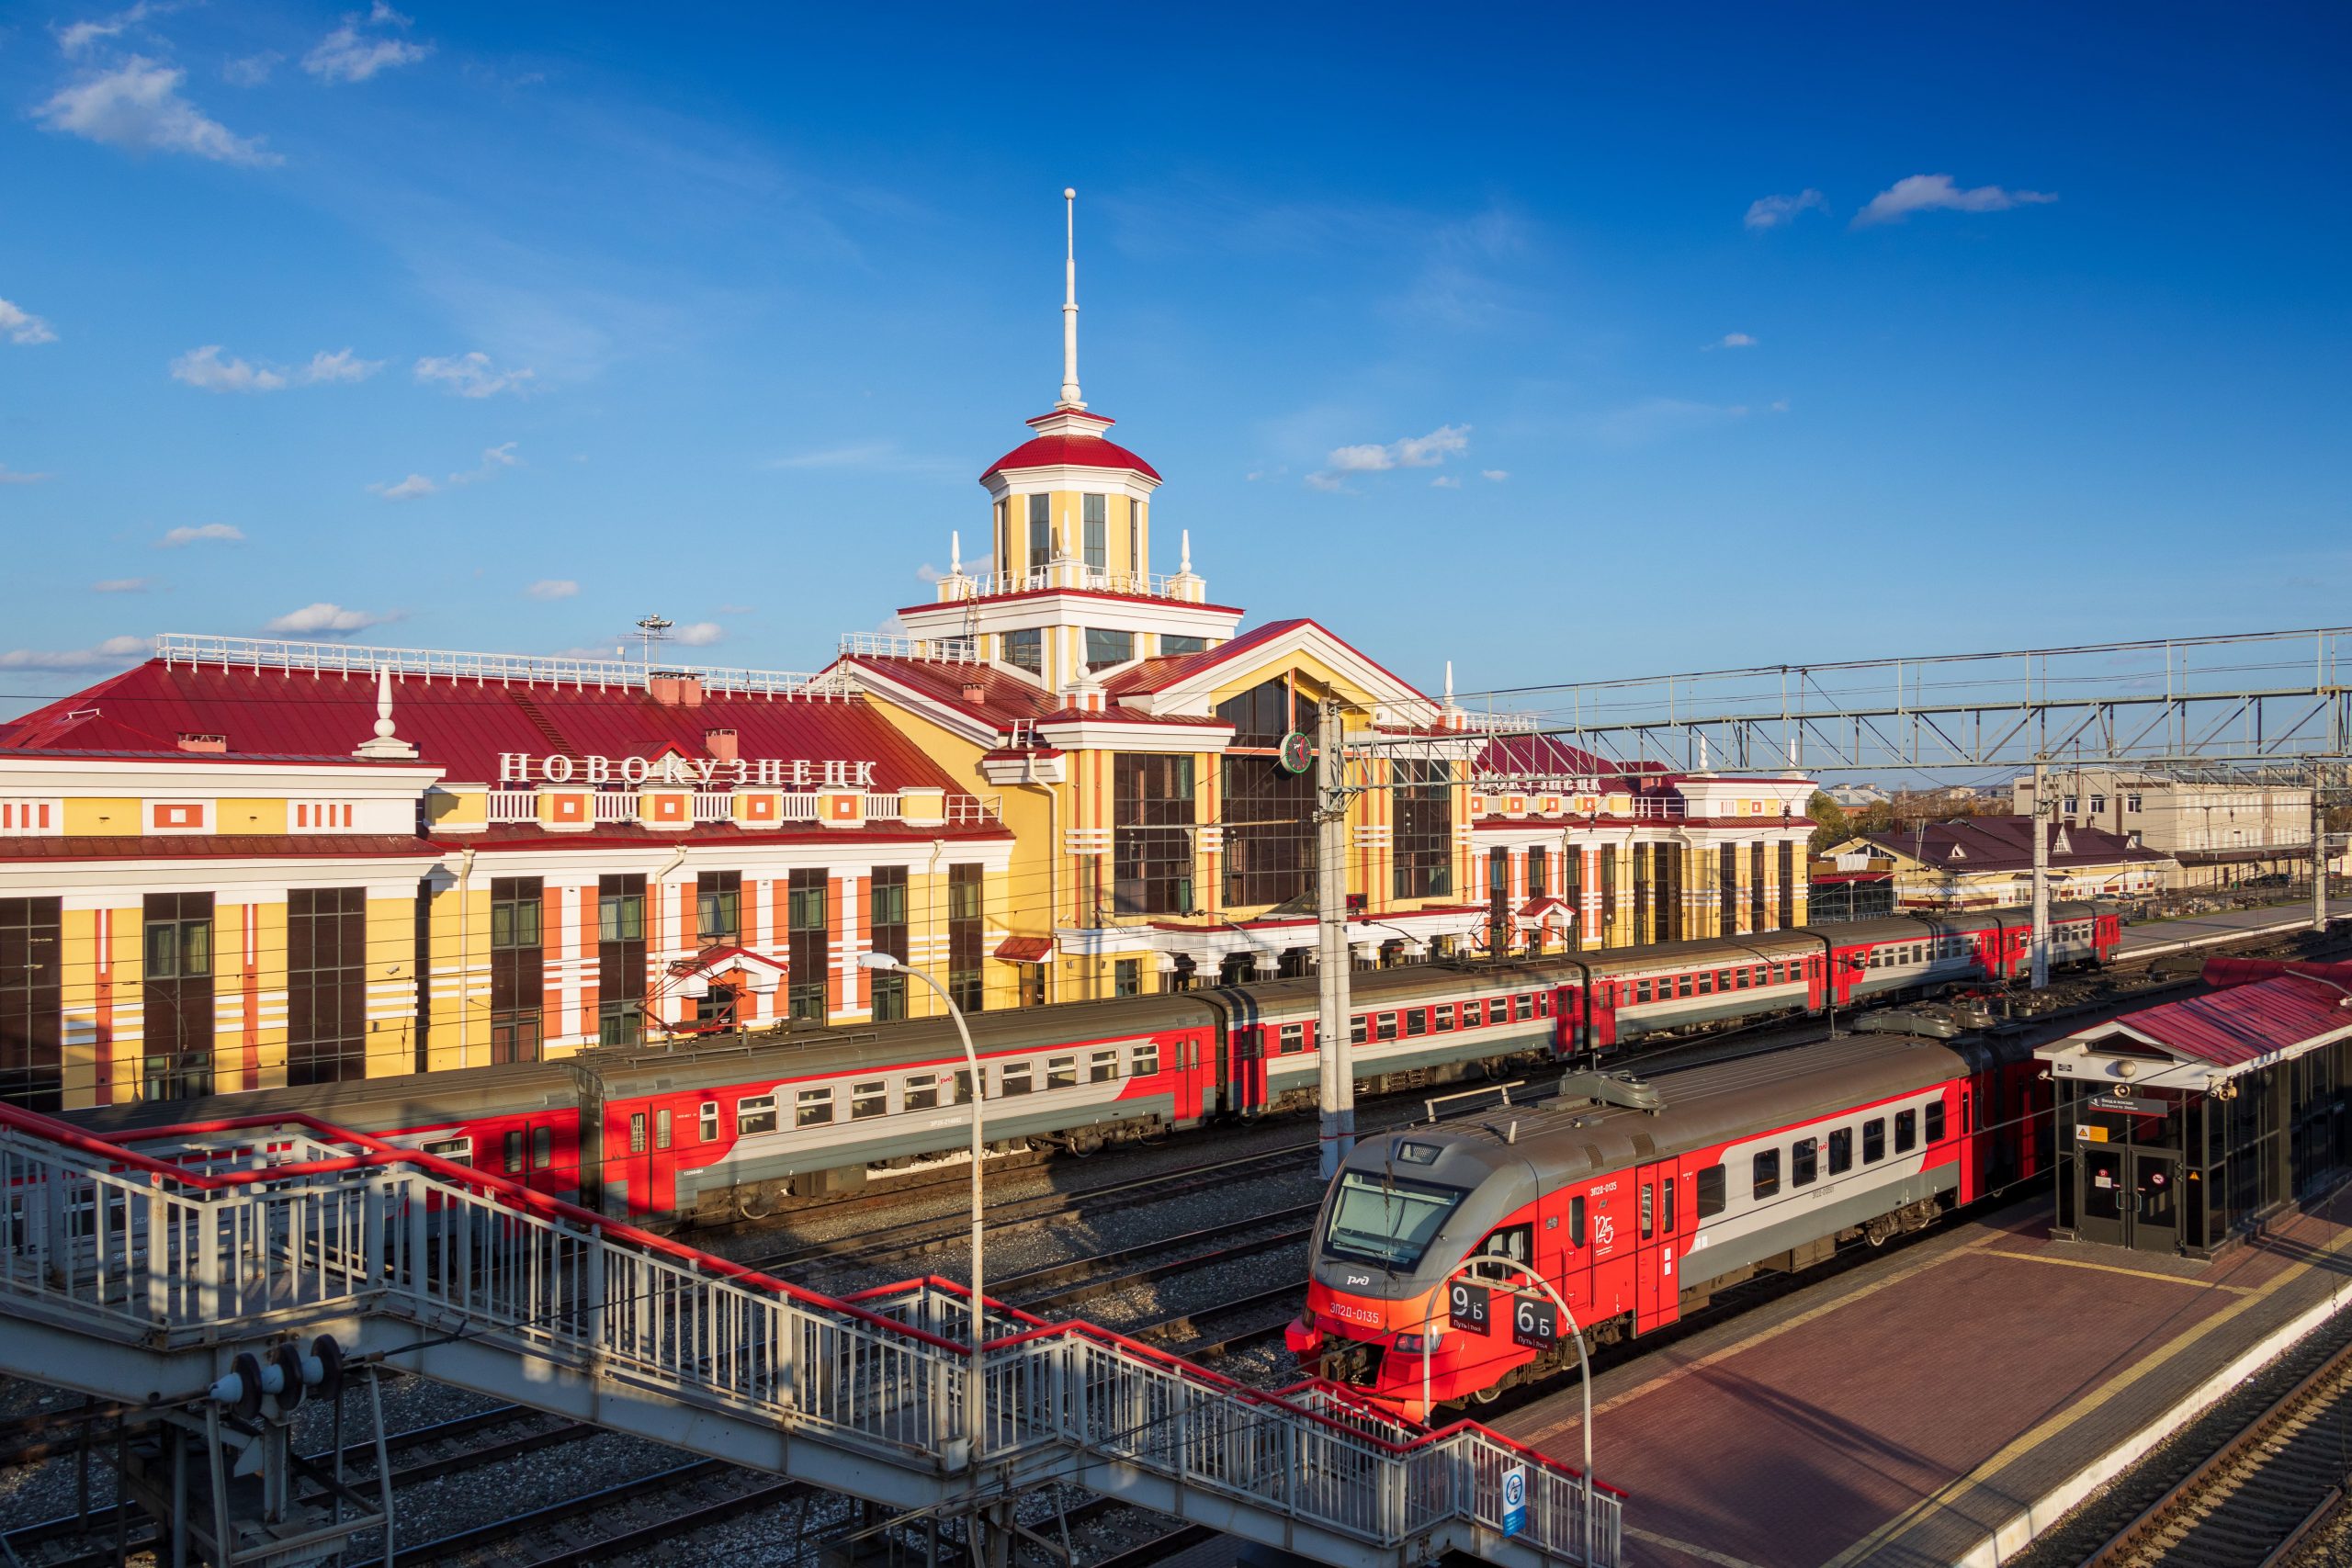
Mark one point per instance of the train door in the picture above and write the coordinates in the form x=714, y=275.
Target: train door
x=1612, y=1245
x=1249, y=1070
x=1601, y=1032
x=589, y=1137
x=627, y=1164
x=1657, y=1206
x=1816, y=989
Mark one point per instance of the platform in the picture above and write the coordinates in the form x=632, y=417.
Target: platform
x=1974, y=1385
x=2193, y=933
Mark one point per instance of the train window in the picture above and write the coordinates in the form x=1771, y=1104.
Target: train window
x=1712, y=1184
x=1683, y=988
x=1293, y=1038
x=1522, y=1008
x=1145, y=1060
x=1667, y=1206
x=1386, y=1026
x=963, y=1087
x=1384, y=1219
x=542, y=1147
x=514, y=1152
x=1875, y=1140
x=1649, y=1211
x=1707, y=984
x=1804, y=1162
x=1441, y=1017
x=660, y=1129
x=709, y=1128
x=636, y=1131
x=812, y=1107
x=1739, y=978
x=1641, y=991
x=1416, y=1021
x=1935, y=1121
x=1907, y=1131
x=1356, y=1030
x=1542, y=1004
x=755, y=1115
x=1016, y=1078
x=1763, y=974
x=1104, y=1065
x=1841, y=1150
x=1576, y=1221
x=1061, y=1072
x=457, y=1151
x=1764, y=1179
x=1514, y=1242
x=1963, y=1111
x=921, y=1092
x=871, y=1098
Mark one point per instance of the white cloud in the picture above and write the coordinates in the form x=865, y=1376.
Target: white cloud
x=250, y=71
x=79, y=36
x=331, y=619
x=1370, y=457
x=698, y=634
x=1332, y=483
x=223, y=532
x=552, y=587
x=1780, y=405
x=1926, y=193
x=21, y=326
x=470, y=374
x=1445, y=482
x=136, y=106
x=347, y=54
x=1428, y=451
x=408, y=489
x=495, y=460
x=205, y=369
x=1733, y=340
x=123, y=585
x=1498, y=475
x=1412, y=451
x=8, y=477
x=1771, y=211
x=112, y=654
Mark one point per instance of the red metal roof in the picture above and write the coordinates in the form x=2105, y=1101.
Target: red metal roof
x=2243, y=1024
x=459, y=725
x=1025, y=949
x=1073, y=451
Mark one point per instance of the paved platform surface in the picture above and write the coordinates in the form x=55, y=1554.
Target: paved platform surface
x=2163, y=936
x=1903, y=1412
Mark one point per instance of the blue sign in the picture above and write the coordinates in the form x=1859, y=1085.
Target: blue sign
x=1514, y=1499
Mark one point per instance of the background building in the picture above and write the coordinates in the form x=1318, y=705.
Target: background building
x=2220, y=831
x=1985, y=861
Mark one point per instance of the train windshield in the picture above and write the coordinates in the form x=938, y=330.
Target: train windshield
x=1385, y=1220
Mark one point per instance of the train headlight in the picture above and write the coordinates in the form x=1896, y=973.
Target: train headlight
x=1416, y=1344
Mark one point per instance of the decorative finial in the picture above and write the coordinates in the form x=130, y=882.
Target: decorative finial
x=1070, y=398
x=955, y=552
x=1185, y=565
x=383, y=702
x=386, y=746
x=1449, y=682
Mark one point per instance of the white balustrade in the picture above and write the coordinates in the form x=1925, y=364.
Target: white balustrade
x=615, y=806
x=714, y=806
x=435, y=663
x=513, y=805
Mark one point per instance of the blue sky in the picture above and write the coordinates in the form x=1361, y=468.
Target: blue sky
x=1560, y=344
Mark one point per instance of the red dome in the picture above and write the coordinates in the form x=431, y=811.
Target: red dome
x=1070, y=451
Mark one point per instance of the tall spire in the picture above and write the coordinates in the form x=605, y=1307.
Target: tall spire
x=1070, y=398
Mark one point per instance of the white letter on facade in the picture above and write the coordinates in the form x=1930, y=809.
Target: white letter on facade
x=599, y=770
x=513, y=767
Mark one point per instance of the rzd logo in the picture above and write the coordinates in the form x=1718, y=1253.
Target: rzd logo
x=1604, y=1231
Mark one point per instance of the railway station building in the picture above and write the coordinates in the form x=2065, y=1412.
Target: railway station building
x=1069, y=776
x=2183, y=1127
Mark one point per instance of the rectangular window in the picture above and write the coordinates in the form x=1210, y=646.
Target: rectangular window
x=718, y=908
x=511, y=1151
x=326, y=985
x=1907, y=1131
x=1575, y=1220
x=1061, y=1072
x=662, y=1129
x=1706, y=985
x=1668, y=1206
x=1384, y=1026
x=515, y=906
x=1356, y=1030
x=1293, y=1038
x=871, y=1098
x=1126, y=977
x=963, y=1087
x=707, y=1122
x=1804, y=1162
x=1041, y=532
x=459, y=1151
x=517, y=967
x=636, y=1131
x=1145, y=1060
x=1422, y=796
x=1136, y=563
x=1788, y=885
x=1711, y=1191
x=1935, y=1122
x=923, y=1091
x=1522, y=1008
x=887, y=889
x=1875, y=1140
x=1016, y=1079
x=1842, y=1151
x=177, y=996
x=1152, y=815
x=1641, y=991
x=1173, y=646
x=542, y=1147
x=1764, y=1177
x=964, y=983
x=812, y=1107
x=620, y=911
x=1095, y=511
x=1103, y=1066
x=755, y=1115
x=1269, y=811
x=1105, y=646
x=1027, y=650
x=1649, y=1214
x=1441, y=1017
x=619, y=1023
x=1416, y=1021
x=808, y=940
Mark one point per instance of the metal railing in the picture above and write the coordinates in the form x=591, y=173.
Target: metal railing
x=513, y=805
x=714, y=806
x=615, y=806
x=1067, y=573
x=896, y=644
x=435, y=663
x=270, y=1226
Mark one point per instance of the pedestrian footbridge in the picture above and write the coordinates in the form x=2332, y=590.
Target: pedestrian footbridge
x=144, y=1270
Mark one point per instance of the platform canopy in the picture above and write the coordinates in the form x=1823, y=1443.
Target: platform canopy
x=2206, y=1041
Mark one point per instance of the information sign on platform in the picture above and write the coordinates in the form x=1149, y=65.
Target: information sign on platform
x=1514, y=1499
x=1468, y=1306
x=1534, y=1323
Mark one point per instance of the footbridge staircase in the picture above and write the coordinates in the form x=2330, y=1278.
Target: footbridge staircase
x=147, y=1270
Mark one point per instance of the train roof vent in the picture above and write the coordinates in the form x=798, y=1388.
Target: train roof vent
x=1613, y=1088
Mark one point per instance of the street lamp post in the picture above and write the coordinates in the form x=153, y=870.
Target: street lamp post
x=976, y=1388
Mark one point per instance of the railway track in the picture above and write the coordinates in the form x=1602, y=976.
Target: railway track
x=2265, y=1489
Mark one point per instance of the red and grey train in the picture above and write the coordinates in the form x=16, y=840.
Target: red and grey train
x=727, y=1127
x=1422, y=1291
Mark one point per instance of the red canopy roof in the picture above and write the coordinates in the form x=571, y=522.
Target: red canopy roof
x=1070, y=451
x=2243, y=1024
